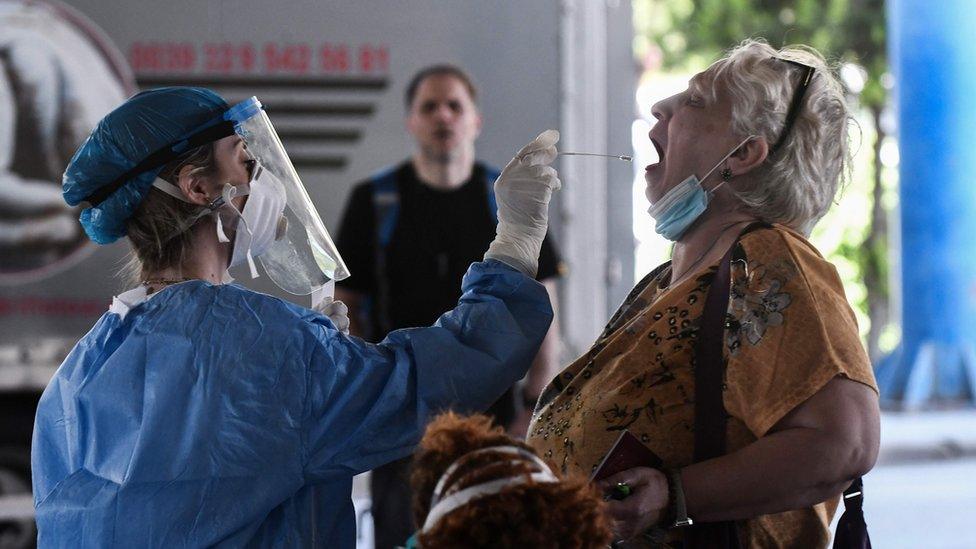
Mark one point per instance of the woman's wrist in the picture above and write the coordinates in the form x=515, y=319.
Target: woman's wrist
x=669, y=512
x=676, y=515
x=657, y=533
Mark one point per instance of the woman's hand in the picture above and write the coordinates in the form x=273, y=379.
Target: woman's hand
x=644, y=507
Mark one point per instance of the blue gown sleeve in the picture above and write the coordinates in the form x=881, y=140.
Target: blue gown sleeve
x=367, y=404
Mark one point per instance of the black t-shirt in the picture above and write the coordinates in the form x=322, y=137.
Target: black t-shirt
x=438, y=234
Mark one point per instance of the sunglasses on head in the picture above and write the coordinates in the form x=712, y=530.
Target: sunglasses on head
x=798, y=94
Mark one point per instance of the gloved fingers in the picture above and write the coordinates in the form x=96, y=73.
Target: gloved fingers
x=338, y=313
x=322, y=306
x=341, y=324
x=540, y=156
x=546, y=174
x=514, y=163
x=333, y=308
x=542, y=172
x=544, y=140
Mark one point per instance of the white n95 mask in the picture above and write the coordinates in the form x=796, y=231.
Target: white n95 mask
x=262, y=219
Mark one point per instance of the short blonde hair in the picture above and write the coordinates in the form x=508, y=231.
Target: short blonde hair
x=158, y=231
x=796, y=185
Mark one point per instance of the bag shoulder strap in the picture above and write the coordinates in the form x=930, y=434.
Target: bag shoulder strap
x=491, y=174
x=710, y=413
x=852, y=531
x=711, y=417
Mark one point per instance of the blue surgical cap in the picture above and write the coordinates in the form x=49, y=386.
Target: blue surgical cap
x=145, y=124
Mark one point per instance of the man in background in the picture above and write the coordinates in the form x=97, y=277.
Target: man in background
x=410, y=233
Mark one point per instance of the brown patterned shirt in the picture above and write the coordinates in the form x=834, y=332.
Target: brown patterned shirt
x=789, y=331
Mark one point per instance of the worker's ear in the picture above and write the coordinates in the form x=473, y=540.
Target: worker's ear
x=194, y=186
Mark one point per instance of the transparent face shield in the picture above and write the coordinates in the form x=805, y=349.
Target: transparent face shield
x=302, y=259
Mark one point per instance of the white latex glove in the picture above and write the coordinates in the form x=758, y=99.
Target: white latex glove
x=337, y=312
x=522, y=193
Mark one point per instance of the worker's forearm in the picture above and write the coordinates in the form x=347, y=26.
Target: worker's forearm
x=548, y=362
x=791, y=469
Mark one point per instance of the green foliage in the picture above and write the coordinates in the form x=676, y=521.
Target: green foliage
x=851, y=31
x=870, y=259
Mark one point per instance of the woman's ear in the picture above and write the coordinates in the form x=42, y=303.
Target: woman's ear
x=193, y=186
x=750, y=156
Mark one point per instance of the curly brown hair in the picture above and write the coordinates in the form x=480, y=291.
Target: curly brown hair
x=568, y=513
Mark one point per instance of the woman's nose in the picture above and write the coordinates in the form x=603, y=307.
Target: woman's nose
x=661, y=109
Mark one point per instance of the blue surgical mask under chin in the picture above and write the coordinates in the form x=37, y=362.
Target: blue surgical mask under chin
x=674, y=212
x=679, y=208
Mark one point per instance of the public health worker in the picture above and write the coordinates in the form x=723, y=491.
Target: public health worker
x=199, y=413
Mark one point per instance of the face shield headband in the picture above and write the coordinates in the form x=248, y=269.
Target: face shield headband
x=302, y=258
x=441, y=505
x=213, y=131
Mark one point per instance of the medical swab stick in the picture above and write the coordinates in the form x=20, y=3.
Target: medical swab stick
x=624, y=157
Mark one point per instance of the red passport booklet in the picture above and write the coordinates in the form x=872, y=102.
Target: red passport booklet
x=628, y=452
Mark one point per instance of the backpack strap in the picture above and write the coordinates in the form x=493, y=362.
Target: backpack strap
x=491, y=174
x=386, y=204
x=386, y=210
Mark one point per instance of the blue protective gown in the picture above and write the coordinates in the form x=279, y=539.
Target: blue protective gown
x=214, y=415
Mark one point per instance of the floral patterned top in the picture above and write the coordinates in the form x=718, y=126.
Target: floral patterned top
x=789, y=331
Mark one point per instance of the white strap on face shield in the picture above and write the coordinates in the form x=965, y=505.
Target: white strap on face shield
x=169, y=189
x=441, y=507
x=324, y=294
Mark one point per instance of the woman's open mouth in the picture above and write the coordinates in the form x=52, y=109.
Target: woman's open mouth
x=660, y=154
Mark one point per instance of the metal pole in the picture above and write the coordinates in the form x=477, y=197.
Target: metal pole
x=934, y=62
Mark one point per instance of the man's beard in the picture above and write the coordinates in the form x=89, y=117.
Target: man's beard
x=440, y=156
